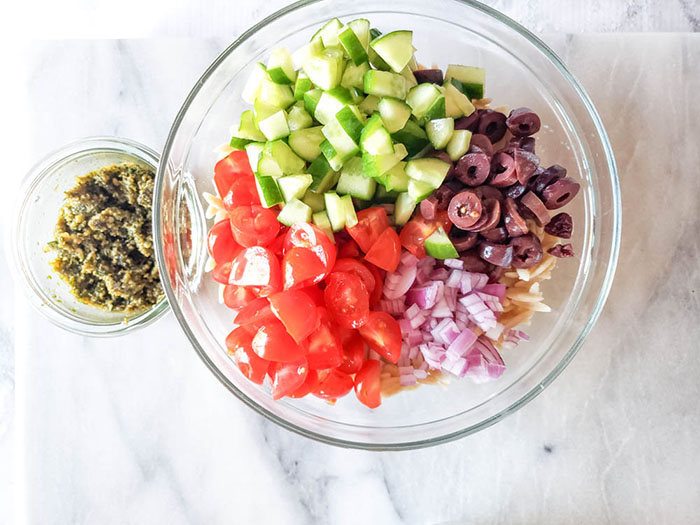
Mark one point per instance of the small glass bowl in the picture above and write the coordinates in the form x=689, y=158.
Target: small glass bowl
x=42, y=196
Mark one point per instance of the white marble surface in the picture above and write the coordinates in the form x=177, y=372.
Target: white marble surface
x=135, y=430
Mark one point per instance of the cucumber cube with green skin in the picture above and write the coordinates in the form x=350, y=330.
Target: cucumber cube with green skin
x=314, y=200
x=395, y=49
x=325, y=68
x=288, y=161
x=357, y=95
x=469, y=80
x=385, y=84
x=456, y=103
x=361, y=28
x=262, y=110
x=275, y=94
x=294, y=186
x=440, y=246
x=311, y=99
x=369, y=105
x=268, y=191
x=301, y=55
x=354, y=182
x=407, y=73
x=403, y=208
x=343, y=144
x=324, y=177
x=394, y=113
x=238, y=143
x=251, y=90
x=302, y=85
x=307, y=142
x=431, y=171
x=419, y=190
x=298, y=118
x=280, y=67
x=422, y=99
x=329, y=32
x=331, y=102
x=440, y=131
x=335, y=208
x=275, y=126
x=248, y=129
x=353, y=46
x=377, y=165
x=350, y=215
x=375, y=139
x=459, y=144
x=320, y=219
x=294, y=212
x=268, y=167
x=254, y=151
x=413, y=137
x=436, y=110
x=354, y=76
x=334, y=160
x=382, y=195
x=350, y=120
x=396, y=179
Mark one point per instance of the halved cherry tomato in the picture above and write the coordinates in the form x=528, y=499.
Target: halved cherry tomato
x=305, y=235
x=353, y=351
x=228, y=169
x=371, y=222
x=272, y=342
x=323, y=348
x=255, y=313
x=237, y=296
x=288, y=377
x=348, y=249
x=367, y=386
x=257, y=267
x=309, y=385
x=222, y=272
x=347, y=299
x=242, y=192
x=297, y=312
x=316, y=294
x=386, y=251
x=335, y=384
x=301, y=267
x=376, y=294
x=277, y=246
x=239, y=345
x=356, y=267
x=221, y=244
x=414, y=234
x=254, y=225
x=383, y=335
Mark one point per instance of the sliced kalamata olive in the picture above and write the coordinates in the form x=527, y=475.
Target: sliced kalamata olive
x=428, y=207
x=527, y=251
x=490, y=216
x=536, y=207
x=547, y=177
x=464, y=210
x=526, y=143
x=496, y=274
x=481, y=142
x=496, y=254
x=463, y=240
x=503, y=171
x=560, y=193
x=515, y=191
x=562, y=250
x=497, y=235
x=489, y=192
x=473, y=168
x=512, y=219
x=444, y=195
x=526, y=164
x=523, y=122
x=474, y=263
x=492, y=124
x=470, y=122
x=432, y=76
x=560, y=226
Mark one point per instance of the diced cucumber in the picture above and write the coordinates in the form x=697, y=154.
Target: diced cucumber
x=469, y=80
x=293, y=212
x=350, y=120
x=354, y=76
x=254, y=151
x=268, y=166
x=268, y=191
x=403, y=209
x=395, y=114
x=331, y=102
x=440, y=246
x=238, y=143
x=377, y=165
x=314, y=200
x=335, y=208
x=288, y=161
x=350, y=215
x=320, y=219
x=294, y=186
x=430, y=171
x=307, y=142
x=419, y=190
x=301, y=55
x=413, y=137
x=278, y=95
x=325, y=68
x=275, y=126
x=252, y=85
x=298, y=118
x=424, y=100
x=459, y=144
x=280, y=67
x=382, y=195
x=413, y=63
x=311, y=99
x=323, y=175
x=440, y=131
x=407, y=73
x=375, y=139
x=352, y=45
x=357, y=95
x=456, y=103
x=396, y=179
x=369, y=104
x=361, y=28
x=262, y=110
x=354, y=182
x=395, y=48
x=248, y=129
x=385, y=84
x=331, y=155
x=329, y=32
x=343, y=144
x=302, y=85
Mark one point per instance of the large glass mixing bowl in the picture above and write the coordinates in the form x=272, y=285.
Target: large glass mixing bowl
x=521, y=71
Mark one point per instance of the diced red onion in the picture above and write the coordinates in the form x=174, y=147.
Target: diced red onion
x=407, y=380
x=462, y=343
x=412, y=311
x=495, y=332
x=499, y=290
x=408, y=259
x=439, y=275
x=420, y=374
x=425, y=296
x=454, y=263
x=454, y=279
x=398, y=283
x=441, y=309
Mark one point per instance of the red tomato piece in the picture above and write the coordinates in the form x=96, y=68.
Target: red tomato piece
x=353, y=352
x=323, y=348
x=335, y=384
x=414, y=233
x=277, y=246
x=348, y=249
x=347, y=299
x=376, y=294
x=357, y=268
x=316, y=294
x=228, y=169
x=255, y=313
x=272, y=342
x=257, y=267
x=367, y=386
x=242, y=192
x=383, y=335
x=371, y=222
x=237, y=296
x=386, y=251
x=289, y=377
x=297, y=312
x=305, y=235
x=442, y=219
x=221, y=244
x=309, y=385
x=222, y=272
x=239, y=345
x=254, y=225
x=301, y=267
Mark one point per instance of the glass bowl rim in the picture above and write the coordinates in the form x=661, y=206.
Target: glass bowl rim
x=33, y=291
x=536, y=389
